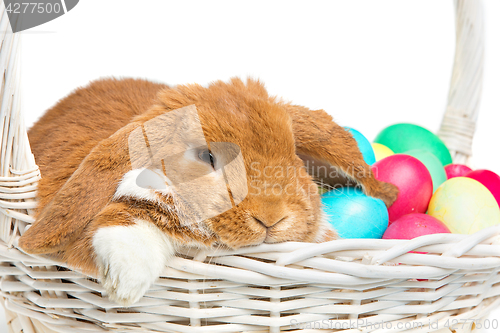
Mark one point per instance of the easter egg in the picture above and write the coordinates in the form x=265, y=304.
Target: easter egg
x=464, y=205
x=415, y=225
x=322, y=190
x=432, y=164
x=353, y=214
x=381, y=151
x=489, y=179
x=401, y=138
x=456, y=170
x=412, y=179
x=364, y=145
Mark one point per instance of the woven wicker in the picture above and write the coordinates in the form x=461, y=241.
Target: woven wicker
x=376, y=285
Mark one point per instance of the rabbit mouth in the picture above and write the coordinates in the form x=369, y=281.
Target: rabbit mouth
x=270, y=229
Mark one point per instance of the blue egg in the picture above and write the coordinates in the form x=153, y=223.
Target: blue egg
x=355, y=215
x=364, y=146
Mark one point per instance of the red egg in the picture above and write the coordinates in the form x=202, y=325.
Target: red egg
x=456, y=170
x=489, y=179
x=412, y=179
x=414, y=225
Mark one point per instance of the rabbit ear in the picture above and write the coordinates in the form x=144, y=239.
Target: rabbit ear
x=331, y=154
x=85, y=194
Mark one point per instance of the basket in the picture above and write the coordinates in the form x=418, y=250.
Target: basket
x=357, y=285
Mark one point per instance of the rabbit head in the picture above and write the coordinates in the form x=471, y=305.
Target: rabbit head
x=271, y=198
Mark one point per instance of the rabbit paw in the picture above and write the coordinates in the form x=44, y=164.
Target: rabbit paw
x=130, y=258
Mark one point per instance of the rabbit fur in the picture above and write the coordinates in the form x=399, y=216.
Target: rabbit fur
x=93, y=216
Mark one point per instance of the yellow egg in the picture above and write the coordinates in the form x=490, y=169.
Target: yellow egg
x=381, y=151
x=464, y=205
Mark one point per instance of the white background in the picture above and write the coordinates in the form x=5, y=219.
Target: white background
x=368, y=63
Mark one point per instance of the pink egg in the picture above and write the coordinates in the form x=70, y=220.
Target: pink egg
x=414, y=225
x=489, y=179
x=456, y=170
x=412, y=179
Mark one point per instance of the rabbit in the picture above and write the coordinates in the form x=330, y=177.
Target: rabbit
x=94, y=216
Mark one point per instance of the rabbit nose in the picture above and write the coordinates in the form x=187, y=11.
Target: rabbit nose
x=269, y=222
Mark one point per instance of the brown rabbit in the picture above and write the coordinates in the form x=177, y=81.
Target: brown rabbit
x=94, y=214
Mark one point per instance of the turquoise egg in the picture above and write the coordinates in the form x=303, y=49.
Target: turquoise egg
x=353, y=214
x=364, y=145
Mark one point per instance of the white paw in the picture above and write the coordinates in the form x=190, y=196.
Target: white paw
x=130, y=259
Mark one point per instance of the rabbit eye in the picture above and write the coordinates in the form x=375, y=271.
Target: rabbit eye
x=206, y=156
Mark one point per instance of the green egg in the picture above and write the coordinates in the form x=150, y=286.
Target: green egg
x=401, y=138
x=433, y=164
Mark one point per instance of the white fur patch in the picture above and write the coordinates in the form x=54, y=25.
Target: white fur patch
x=131, y=258
x=128, y=188
x=324, y=227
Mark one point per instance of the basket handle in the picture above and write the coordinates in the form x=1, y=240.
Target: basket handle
x=18, y=171
x=459, y=121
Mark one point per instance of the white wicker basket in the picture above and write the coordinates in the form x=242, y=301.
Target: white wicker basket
x=268, y=288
